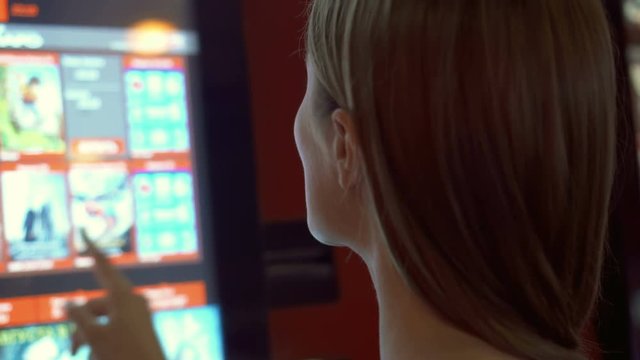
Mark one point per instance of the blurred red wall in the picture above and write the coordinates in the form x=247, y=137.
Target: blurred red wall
x=346, y=329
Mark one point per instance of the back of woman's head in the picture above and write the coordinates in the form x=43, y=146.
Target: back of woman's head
x=487, y=132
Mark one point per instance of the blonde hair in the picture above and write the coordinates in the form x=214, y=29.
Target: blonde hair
x=487, y=129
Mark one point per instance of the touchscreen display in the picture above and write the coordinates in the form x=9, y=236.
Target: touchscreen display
x=97, y=108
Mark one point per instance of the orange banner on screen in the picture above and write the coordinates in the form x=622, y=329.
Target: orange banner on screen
x=29, y=58
x=119, y=259
x=18, y=311
x=43, y=309
x=38, y=265
x=103, y=147
x=36, y=166
x=154, y=63
x=4, y=10
x=175, y=296
x=52, y=308
x=24, y=10
x=161, y=165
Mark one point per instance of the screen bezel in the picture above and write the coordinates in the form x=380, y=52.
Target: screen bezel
x=224, y=154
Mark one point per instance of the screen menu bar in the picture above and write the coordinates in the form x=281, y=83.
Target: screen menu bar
x=143, y=39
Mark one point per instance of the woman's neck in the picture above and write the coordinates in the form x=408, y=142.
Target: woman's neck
x=409, y=328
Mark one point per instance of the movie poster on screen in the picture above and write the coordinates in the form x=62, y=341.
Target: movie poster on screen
x=102, y=207
x=35, y=215
x=31, y=110
x=42, y=342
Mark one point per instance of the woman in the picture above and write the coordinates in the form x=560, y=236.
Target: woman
x=465, y=150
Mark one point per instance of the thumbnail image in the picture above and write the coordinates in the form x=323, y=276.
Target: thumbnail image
x=157, y=111
x=36, y=222
x=102, y=208
x=46, y=342
x=191, y=334
x=165, y=214
x=31, y=116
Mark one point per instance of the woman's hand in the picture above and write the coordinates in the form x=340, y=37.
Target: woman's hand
x=118, y=326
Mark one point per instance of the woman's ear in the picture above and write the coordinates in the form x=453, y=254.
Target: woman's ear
x=345, y=148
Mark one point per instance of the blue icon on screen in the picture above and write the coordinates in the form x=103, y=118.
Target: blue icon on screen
x=183, y=186
x=189, y=240
x=136, y=115
x=157, y=107
x=174, y=83
x=166, y=213
x=154, y=81
x=138, y=138
x=181, y=139
x=176, y=112
x=135, y=83
x=191, y=333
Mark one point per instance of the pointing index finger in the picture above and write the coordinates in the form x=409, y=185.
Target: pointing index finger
x=108, y=276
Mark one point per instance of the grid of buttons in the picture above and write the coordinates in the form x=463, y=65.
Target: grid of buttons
x=165, y=214
x=157, y=111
